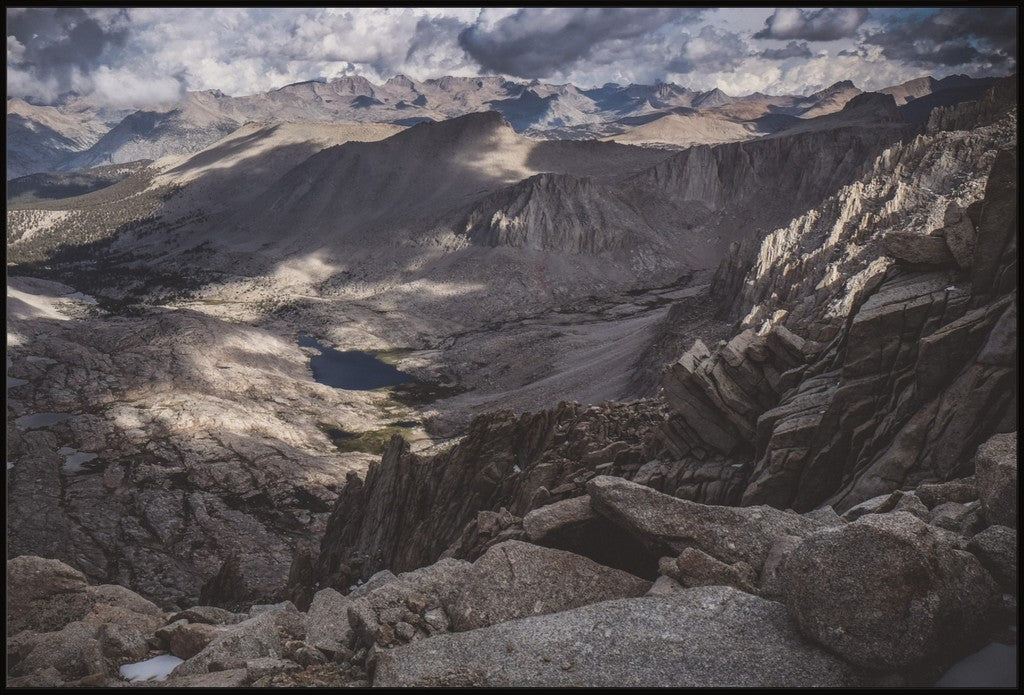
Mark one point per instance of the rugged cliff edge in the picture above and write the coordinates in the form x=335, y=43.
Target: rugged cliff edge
x=742, y=595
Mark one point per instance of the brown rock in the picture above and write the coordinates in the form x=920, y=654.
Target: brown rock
x=327, y=620
x=259, y=636
x=960, y=490
x=375, y=615
x=210, y=615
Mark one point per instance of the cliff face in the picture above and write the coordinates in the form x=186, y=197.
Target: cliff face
x=896, y=373
x=557, y=212
x=735, y=191
x=921, y=374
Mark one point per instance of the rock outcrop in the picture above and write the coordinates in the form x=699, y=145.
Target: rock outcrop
x=712, y=636
x=668, y=525
x=57, y=624
x=899, y=372
x=888, y=592
x=410, y=509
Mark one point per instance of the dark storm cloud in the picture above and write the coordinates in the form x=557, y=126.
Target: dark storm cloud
x=710, y=50
x=433, y=34
x=794, y=49
x=537, y=42
x=59, y=40
x=827, y=24
x=951, y=36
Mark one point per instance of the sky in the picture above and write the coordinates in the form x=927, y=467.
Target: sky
x=132, y=57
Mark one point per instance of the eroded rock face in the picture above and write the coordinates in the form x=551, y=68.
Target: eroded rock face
x=517, y=580
x=888, y=592
x=928, y=342
x=704, y=637
x=926, y=336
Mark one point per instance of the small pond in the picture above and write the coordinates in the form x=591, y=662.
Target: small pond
x=36, y=420
x=352, y=369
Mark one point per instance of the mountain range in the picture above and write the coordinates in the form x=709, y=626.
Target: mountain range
x=73, y=134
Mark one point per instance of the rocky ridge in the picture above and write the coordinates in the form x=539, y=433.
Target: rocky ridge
x=911, y=591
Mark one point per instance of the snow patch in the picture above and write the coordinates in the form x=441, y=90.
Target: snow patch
x=155, y=669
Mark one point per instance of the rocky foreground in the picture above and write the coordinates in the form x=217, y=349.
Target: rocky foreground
x=891, y=593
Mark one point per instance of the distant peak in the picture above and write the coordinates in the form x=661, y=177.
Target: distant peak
x=351, y=79
x=882, y=106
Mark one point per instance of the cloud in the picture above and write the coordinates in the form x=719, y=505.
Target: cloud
x=432, y=46
x=951, y=37
x=59, y=47
x=711, y=50
x=540, y=42
x=794, y=49
x=828, y=24
x=120, y=87
x=138, y=54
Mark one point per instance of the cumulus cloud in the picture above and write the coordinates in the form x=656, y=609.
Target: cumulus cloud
x=140, y=55
x=794, y=49
x=538, y=42
x=239, y=51
x=432, y=48
x=951, y=36
x=57, y=48
x=827, y=24
x=710, y=50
